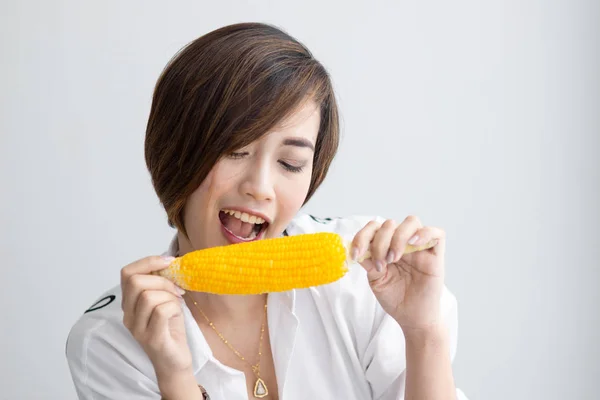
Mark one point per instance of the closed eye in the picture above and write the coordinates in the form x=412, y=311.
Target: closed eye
x=235, y=155
x=290, y=167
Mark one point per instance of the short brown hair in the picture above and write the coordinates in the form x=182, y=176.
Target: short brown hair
x=223, y=91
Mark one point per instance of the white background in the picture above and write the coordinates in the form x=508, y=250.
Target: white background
x=479, y=117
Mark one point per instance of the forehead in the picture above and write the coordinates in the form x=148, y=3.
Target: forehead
x=303, y=122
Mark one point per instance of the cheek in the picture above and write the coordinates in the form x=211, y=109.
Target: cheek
x=216, y=182
x=195, y=204
x=293, y=195
x=198, y=203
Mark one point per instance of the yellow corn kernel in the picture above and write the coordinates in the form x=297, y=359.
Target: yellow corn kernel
x=264, y=266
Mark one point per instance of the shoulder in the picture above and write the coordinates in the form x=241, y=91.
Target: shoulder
x=345, y=226
x=105, y=313
x=95, y=321
x=99, y=342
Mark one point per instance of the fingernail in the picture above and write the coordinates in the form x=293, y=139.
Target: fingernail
x=180, y=291
x=390, y=256
x=168, y=259
x=413, y=240
x=379, y=266
x=354, y=253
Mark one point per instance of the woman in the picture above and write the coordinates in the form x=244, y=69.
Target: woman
x=242, y=130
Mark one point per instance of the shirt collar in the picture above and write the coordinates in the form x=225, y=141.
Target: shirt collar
x=173, y=248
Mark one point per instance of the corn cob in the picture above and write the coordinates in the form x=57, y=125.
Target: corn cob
x=268, y=265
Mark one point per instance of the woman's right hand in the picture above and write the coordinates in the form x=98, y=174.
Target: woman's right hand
x=153, y=313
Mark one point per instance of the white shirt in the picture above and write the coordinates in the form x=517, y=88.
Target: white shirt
x=333, y=341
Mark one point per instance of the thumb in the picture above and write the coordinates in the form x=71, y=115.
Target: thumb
x=375, y=270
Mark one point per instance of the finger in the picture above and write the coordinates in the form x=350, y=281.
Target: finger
x=363, y=238
x=380, y=245
x=159, y=320
x=145, y=265
x=147, y=301
x=404, y=233
x=135, y=285
x=431, y=234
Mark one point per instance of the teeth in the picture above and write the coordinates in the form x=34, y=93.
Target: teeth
x=245, y=217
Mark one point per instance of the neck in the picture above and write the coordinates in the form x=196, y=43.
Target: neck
x=234, y=309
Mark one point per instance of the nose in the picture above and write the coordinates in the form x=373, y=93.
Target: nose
x=258, y=181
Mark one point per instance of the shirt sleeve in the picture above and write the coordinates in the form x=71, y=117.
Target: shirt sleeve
x=106, y=364
x=384, y=360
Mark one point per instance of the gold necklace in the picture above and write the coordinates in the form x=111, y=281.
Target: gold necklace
x=260, y=387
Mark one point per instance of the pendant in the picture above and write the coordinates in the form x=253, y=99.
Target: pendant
x=260, y=389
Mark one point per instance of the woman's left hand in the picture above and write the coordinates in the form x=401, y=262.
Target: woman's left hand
x=408, y=286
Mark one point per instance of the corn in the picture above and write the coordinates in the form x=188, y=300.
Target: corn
x=263, y=266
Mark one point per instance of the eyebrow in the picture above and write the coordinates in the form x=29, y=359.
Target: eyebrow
x=299, y=142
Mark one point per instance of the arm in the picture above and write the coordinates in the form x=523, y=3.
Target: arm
x=396, y=360
x=428, y=365
x=410, y=289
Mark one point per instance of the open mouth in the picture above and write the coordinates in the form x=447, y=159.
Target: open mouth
x=242, y=227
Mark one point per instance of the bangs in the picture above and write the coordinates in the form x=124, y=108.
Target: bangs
x=265, y=98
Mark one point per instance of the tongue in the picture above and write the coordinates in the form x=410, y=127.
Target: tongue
x=237, y=227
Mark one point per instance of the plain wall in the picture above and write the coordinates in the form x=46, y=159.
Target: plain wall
x=481, y=118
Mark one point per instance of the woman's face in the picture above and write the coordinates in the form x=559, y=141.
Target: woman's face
x=255, y=192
